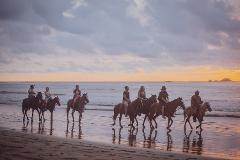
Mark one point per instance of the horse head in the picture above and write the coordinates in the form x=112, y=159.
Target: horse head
x=57, y=100
x=207, y=106
x=153, y=98
x=85, y=98
x=39, y=96
x=180, y=103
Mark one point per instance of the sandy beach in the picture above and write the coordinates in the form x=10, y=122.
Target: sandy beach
x=23, y=146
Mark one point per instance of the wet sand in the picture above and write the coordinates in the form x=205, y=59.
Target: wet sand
x=220, y=137
x=23, y=146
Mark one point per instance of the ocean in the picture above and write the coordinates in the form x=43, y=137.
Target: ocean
x=224, y=97
x=220, y=136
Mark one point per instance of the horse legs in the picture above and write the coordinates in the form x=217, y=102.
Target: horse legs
x=199, y=126
x=39, y=115
x=115, y=117
x=136, y=120
x=120, y=118
x=189, y=123
x=73, y=114
x=32, y=115
x=154, y=118
x=144, y=120
x=80, y=117
x=68, y=109
x=51, y=123
x=168, y=123
x=171, y=122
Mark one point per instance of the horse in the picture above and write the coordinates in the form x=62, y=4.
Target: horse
x=146, y=106
x=202, y=110
x=79, y=106
x=134, y=109
x=50, y=105
x=33, y=103
x=170, y=109
x=119, y=109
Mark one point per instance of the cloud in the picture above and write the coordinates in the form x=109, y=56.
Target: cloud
x=128, y=35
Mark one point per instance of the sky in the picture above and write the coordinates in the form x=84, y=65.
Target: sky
x=125, y=40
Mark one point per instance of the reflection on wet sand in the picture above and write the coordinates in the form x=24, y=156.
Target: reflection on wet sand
x=169, y=141
x=132, y=137
x=149, y=142
x=196, y=145
x=40, y=129
x=114, y=136
x=72, y=130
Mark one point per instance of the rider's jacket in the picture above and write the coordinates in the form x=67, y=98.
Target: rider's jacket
x=47, y=95
x=141, y=94
x=76, y=92
x=31, y=93
x=126, y=96
x=163, y=96
x=196, y=101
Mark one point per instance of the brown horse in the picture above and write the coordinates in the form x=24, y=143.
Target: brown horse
x=119, y=109
x=170, y=109
x=79, y=106
x=33, y=103
x=134, y=109
x=190, y=111
x=50, y=105
x=147, y=105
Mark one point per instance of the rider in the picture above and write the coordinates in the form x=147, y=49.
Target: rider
x=76, y=94
x=31, y=92
x=163, y=98
x=47, y=95
x=126, y=99
x=142, y=93
x=196, y=102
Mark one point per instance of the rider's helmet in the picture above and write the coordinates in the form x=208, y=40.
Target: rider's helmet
x=164, y=88
x=142, y=88
x=32, y=86
x=196, y=92
x=126, y=88
x=47, y=88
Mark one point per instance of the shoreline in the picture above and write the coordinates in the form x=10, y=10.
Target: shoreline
x=15, y=144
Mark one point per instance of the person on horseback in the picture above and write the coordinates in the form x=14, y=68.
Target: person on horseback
x=126, y=99
x=196, y=102
x=163, y=98
x=142, y=93
x=31, y=92
x=76, y=94
x=47, y=95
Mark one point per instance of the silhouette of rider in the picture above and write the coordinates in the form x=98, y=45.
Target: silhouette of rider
x=47, y=95
x=142, y=93
x=31, y=92
x=163, y=99
x=196, y=102
x=76, y=94
x=126, y=99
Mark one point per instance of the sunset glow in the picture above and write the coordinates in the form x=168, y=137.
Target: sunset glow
x=129, y=41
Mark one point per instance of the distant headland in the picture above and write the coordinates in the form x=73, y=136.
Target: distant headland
x=222, y=80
